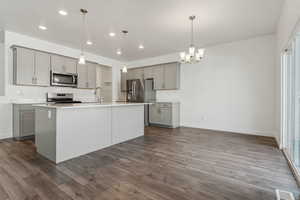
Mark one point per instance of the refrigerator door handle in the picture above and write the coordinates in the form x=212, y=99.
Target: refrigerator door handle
x=135, y=89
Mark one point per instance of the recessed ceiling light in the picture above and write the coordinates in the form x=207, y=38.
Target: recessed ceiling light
x=141, y=46
x=119, y=52
x=42, y=27
x=89, y=42
x=63, y=12
x=112, y=34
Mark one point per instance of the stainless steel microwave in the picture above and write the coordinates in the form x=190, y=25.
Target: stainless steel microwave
x=64, y=80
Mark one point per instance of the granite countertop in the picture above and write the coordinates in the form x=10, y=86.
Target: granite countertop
x=87, y=105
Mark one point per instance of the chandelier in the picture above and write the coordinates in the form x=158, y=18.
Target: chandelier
x=194, y=54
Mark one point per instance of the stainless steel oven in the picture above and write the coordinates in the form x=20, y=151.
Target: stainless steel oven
x=64, y=80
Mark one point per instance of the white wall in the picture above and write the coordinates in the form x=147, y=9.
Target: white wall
x=2, y=63
x=288, y=20
x=232, y=89
x=26, y=93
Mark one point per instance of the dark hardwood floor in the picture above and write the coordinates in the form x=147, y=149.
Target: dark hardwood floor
x=166, y=164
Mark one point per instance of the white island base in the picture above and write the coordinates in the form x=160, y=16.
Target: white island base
x=65, y=132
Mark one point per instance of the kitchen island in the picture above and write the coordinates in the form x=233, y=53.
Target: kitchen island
x=66, y=131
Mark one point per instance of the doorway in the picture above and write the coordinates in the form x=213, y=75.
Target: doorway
x=290, y=69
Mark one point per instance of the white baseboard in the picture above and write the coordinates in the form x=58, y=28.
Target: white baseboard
x=240, y=131
x=278, y=142
x=5, y=135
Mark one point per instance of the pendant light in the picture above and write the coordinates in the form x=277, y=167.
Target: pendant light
x=124, y=69
x=193, y=55
x=81, y=59
x=124, y=32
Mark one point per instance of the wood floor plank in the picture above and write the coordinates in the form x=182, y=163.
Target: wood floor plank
x=165, y=164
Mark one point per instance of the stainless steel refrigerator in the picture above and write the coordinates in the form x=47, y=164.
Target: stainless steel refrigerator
x=138, y=91
x=135, y=91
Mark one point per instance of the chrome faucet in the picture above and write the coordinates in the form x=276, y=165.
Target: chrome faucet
x=97, y=94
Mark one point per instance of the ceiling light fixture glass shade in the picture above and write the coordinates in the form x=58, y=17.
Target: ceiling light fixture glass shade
x=194, y=55
x=141, y=46
x=89, y=42
x=81, y=59
x=42, y=27
x=112, y=34
x=119, y=52
x=63, y=12
x=124, y=69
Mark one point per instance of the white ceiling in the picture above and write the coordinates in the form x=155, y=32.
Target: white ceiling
x=161, y=25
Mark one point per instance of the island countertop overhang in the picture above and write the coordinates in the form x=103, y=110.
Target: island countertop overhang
x=87, y=105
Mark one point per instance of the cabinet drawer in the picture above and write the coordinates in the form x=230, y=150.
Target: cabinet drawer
x=165, y=105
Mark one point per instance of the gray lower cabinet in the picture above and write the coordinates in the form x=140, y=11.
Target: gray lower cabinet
x=31, y=67
x=165, y=114
x=23, y=121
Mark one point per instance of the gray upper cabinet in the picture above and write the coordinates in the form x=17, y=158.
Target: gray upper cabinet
x=23, y=66
x=158, y=72
x=82, y=76
x=87, y=75
x=61, y=64
x=106, y=75
x=91, y=74
x=70, y=65
x=138, y=73
x=106, y=83
x=148, y=72
x=166, y=76
x=31, y=67
x=172, y=76
x=42, y=68
x=57, y=64
x=130, y=74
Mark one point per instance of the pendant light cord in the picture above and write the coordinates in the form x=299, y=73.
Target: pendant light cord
x=192, y=32
x=83, y=31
